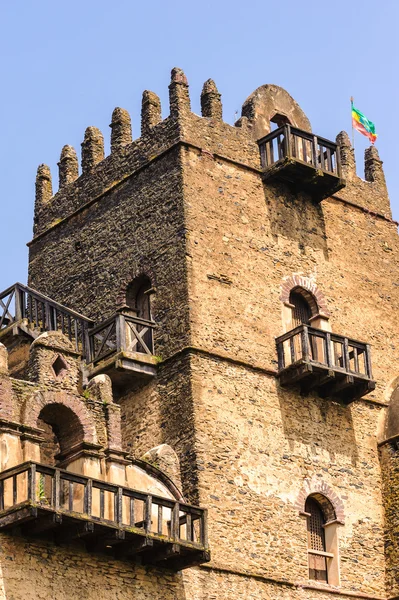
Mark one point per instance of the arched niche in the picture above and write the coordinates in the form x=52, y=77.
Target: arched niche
x=268, y=103
x=66, y=426
x=62, y=431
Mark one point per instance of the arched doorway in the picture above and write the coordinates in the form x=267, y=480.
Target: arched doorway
x=62, y=430
x=138, y=302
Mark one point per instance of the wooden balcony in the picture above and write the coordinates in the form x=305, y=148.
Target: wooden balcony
x=23, y=310
x=308, y=162
x=42, y=501
x=122, y=346
x=329, y=364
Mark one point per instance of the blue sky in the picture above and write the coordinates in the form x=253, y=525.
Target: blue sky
x=65, y=66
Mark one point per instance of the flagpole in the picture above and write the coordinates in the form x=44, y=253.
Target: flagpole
x=353, y=130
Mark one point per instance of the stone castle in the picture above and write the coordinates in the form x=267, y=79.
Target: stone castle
x=199, y=393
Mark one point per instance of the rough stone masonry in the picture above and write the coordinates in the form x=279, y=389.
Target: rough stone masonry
x=187, y=206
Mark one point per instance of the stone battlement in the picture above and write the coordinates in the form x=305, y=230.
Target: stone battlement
x=209, y=133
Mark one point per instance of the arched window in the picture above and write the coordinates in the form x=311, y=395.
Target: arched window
x=301, y=310
x=316, y=541
x=322, y=536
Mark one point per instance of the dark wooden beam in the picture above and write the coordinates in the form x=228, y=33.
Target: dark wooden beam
x=294, y=374
x=318, y=382
x=17, y=517
x=161, y=553
x=132, y=547
x=191, y=559
x=42, y=523
x=337, y=387
x=101, y=540
x=73, y=531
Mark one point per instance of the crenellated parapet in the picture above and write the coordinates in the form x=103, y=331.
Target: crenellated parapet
x=209, y=134
x=43, y=195
x=211, y=104
x=348, y=161
x=92, y=149
x=100, y=173
x=68, y=167
x=179, y=98
x=371, y=192
x=121, y=129
x=150, y=111
x=373, y=170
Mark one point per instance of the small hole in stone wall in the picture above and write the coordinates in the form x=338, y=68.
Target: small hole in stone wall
x=59, y=367
x=278, y=121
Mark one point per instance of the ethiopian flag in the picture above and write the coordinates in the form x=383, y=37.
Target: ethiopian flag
x=363, y=125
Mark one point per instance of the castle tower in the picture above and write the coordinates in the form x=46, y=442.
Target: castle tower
x=236, y=286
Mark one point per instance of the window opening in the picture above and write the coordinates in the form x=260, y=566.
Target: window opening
x=316, y=541
x=278, y=121
x=138, y=300
x=301, y=311
x=59, y=367
x=143, y=302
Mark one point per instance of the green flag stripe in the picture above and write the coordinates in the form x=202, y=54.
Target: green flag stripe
x=369, y=125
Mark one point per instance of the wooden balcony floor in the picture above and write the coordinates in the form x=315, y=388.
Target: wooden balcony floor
x=99, y=535
x=46, y=501
x=319, y=184
x=123, y=367
x=326, y=381
x=306, y=161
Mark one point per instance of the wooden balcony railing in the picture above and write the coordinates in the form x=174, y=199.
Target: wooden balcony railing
x=20, y=302
x=329, y=363
x=35, y=313
x=300, y=157
x=120, y=333
x=108, y=517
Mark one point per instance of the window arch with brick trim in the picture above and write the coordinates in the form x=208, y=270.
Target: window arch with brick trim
x=302, y=308
x=310, y=290
x=35, y=404
x=323, y=511
x=303, y=302
x=317, y=551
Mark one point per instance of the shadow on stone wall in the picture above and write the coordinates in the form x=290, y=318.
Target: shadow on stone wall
x=41, y=569
x=318, y=428
x=297, y=217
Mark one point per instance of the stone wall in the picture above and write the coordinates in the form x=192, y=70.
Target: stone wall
x=257, y=445
x=88, y=261
x=245, y=239
x=257, y=442
x=186, y=205
x=390, y=470
x=162, y=412
x=43, y=570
